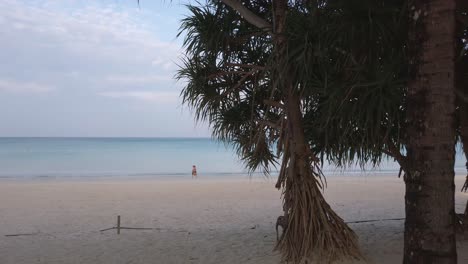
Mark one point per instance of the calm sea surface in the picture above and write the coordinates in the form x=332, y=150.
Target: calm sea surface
x=133, y=157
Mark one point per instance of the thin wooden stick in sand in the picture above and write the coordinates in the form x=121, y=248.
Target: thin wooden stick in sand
x=375, y=220
x=118, y=224
x=119, y=227
x=25, y=234
x=110, y=228
x=131, y=228
x=137, y=228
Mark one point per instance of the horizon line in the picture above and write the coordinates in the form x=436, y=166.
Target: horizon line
x=104, y=137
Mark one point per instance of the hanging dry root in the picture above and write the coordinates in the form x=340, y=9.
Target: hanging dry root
x=314, y=232
x=282, y=221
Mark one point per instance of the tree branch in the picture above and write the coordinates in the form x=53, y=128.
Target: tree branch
x=269, y=124
x=273, y=103
x=252, y=66
x=249, y=15
x=225, y=73
x=239, y=83
x=394, y=152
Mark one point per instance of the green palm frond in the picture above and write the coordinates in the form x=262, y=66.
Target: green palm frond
x=223, y=86
x=351, y=72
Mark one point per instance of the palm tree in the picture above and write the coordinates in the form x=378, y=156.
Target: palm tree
x=328, y=81
x=294, y=85
x=462, y=77
x=239, y=80
x=429, y=178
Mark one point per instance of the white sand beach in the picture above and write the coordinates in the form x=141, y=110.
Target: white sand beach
x=195, y=221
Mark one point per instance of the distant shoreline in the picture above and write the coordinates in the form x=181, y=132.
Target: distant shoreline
x=187, y=177
x=151, y=157
x=101, y=137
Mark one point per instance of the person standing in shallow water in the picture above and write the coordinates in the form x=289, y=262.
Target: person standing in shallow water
x=194, y=171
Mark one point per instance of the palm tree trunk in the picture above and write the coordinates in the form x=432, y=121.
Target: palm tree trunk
x=313, y=229
x=430, y=188
x=461, y=67
x=461, y=82
x=463, y=127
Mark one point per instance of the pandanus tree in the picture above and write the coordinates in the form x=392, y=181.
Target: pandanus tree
x=315, y=79
x=330, y=80
x=240, y=81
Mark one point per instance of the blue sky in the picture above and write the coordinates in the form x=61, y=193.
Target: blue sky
x=92, y=68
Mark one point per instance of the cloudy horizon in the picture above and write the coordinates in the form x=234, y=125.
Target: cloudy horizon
x=92, y=69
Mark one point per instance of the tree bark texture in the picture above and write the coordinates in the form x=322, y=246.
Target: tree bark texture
x=429, y=200
x=463, y=118
x=461, y=80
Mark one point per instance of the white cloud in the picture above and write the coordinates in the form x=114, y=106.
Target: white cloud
x=101, y=43
x=155, y=97
x=23, y=87
x=109, y=64
x=157, y=61
x=138, y=79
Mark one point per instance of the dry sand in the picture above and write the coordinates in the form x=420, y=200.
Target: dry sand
x=195, y=221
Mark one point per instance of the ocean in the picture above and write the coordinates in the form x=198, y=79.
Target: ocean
x=140, y=157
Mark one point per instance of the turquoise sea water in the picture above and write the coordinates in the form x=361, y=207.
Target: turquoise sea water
x=133, y=157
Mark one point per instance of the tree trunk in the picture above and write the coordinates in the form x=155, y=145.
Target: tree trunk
x=430, y=189
x=463, y=130
x=313, y=229
x=461, y=84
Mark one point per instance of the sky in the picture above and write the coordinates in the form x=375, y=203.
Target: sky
x=102, y=68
